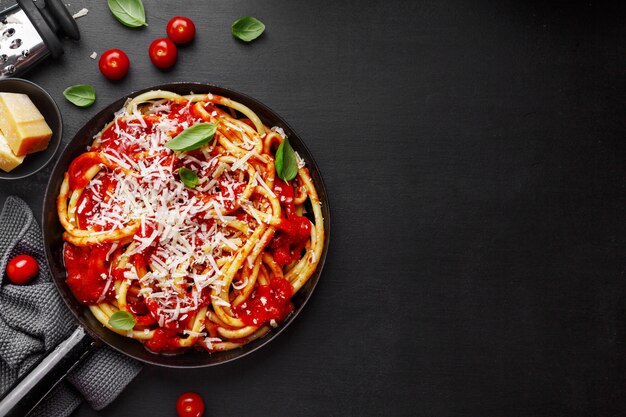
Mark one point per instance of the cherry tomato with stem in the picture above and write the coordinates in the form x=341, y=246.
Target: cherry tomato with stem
x=114, y=64
x=180, y=29
x=190, y=404
x=22, y=269
x=162, y=52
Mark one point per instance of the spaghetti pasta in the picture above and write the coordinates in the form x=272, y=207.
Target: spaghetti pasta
x=211, y=264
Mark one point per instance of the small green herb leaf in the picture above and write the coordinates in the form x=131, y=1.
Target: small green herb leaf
x=122, y=320
x=193, y=137
x=188, y=177
x=286, y=162
x=128, y=12
x=81, y=95
x=247, y=28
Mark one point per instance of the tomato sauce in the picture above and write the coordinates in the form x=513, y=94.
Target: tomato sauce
x=139, y=309
x=183, y=112
x=87, y=273
x=111, y=140
x=229, y=199
x=87, y=206
x=163, y=341
x=177, y=325
x=79, y=167
x=267, y=302
x=292, y=232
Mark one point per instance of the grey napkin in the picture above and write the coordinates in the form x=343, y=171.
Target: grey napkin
x=34, y=319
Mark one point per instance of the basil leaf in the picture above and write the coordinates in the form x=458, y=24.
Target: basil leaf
x=122, y=320
x=193, y=137
x=128, y=12
x=247, y=28
x=188, y=177
x=81, y=95
x=286, y=162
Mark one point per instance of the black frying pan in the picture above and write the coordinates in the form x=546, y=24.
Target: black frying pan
x=92, y=334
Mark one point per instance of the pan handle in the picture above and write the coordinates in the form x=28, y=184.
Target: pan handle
x=31, y=389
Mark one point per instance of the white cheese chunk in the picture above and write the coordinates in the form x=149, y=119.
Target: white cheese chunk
x=8, y=160
x=24, y=127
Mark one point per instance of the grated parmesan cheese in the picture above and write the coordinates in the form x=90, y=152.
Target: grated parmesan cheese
x=82, y=12
x=280, y=131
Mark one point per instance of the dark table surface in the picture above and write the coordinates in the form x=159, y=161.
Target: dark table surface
x=474, y=157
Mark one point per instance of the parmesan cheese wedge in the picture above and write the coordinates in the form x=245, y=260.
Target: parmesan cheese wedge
x=24, y=127
x=8, y=160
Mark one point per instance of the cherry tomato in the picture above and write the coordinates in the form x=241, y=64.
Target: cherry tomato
x=114, y=64
x=22, y=269
x=162, y=52
x=190, y=404
x=181, y=29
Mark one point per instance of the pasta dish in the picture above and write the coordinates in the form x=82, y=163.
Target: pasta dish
x=189, y=223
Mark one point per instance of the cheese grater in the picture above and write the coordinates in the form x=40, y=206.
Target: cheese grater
x=29, y=32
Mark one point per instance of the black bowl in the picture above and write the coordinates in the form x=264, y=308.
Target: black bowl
x=48, y=108
x=53, y=241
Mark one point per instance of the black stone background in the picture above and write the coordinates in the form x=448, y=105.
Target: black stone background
x=474, y=157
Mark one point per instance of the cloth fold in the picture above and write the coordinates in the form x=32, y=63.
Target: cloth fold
x=34, y=319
